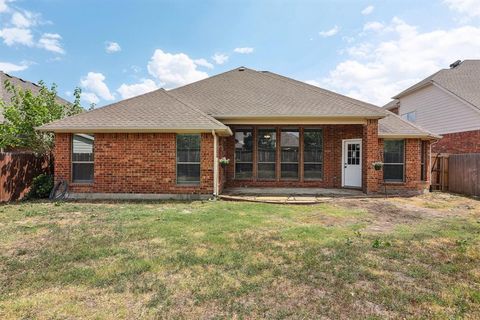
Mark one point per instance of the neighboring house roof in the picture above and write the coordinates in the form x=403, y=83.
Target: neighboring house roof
x=393, y=126
x=240, y=92
x=19, y=83
x=391, y=105
x=463, y=81
x=244, y=92
x=156, y=111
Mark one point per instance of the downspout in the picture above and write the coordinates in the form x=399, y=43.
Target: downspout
x=215, y=164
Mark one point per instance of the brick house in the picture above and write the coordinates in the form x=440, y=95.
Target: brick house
x=277, y=132
x=448, y=104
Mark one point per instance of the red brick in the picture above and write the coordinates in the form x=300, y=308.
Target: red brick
x=459, y=142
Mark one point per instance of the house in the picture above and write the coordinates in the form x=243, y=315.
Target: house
x=448, y=104
x=277, y=132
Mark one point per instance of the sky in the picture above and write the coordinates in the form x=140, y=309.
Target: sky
x=116, y=49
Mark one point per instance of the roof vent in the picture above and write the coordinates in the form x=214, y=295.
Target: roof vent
x=455, y=64
x=241, y=69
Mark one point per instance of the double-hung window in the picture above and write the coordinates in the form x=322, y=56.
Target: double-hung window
x=394, y=160
x=289, y=148
x=267, y=146
x=312, y=154
x=243, y=153
x=188, y=159
x=82, y=158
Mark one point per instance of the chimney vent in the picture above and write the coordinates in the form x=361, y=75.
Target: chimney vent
x=241, y=69
x=455, y=64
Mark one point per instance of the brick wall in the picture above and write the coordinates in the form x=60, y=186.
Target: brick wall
x=371, y=154
x=459, y=142
x=135, y=163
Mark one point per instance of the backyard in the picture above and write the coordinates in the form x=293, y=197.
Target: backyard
x=349, y=258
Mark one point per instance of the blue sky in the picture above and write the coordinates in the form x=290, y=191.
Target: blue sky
x=116, y=49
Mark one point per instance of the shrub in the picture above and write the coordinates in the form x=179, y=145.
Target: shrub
x=41, y=187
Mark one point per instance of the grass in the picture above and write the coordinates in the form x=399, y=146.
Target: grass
x=241, y=260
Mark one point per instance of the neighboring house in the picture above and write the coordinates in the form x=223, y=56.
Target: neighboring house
x=277, y=132
x=22, y=84
x=448, y=104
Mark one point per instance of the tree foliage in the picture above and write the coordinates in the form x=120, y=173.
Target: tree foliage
x=26, y=110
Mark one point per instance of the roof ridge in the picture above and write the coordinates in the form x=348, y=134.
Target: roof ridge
x=210, y=118
x=329, y=93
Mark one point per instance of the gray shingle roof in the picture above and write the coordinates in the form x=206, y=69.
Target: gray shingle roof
x=394, y=126
x=392, y=104
x=151, y=112
x=19, y=83
x=463, y=81
x=244, y=92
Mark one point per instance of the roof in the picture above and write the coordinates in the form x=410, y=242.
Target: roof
x=394, y=126
x=244, y=92
x=391, y=105
x=19, y=83
x=156, y=111
x=462, y=81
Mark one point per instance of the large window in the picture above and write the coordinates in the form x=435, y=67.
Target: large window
x=82, y=158
x=289, y=148
x=313, y=154
x=188, y=159
x=243, y=153
x=394, y=160
x=267, y=140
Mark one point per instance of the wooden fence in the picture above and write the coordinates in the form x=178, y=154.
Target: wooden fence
x=17, y=171
x=440, y=171
x=464, y=173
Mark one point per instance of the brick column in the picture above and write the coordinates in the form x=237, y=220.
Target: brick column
x=62, y=153
x=371, y=153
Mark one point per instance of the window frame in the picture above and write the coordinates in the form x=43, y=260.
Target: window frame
x=306, y=129
x=299, y=152
x=406, y=116
x=72, y=162
x=189, y=183
x=403, y=164
x=243, y=129
x=274, y=130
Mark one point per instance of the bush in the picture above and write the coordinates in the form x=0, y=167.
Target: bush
x=41, y=187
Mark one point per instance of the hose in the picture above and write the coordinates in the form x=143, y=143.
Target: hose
x=59, y=191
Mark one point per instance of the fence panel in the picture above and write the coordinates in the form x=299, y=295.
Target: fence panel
x=464, y=173
x=17, y=170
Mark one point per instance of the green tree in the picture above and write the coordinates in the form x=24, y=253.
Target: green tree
x=26, y=110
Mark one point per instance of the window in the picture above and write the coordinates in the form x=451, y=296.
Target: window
x=289, y=148
x=267, y=141
x=313, y=154
x=410, y=116
x=243, y=153
x=423, y=159
x=393, y=158
x=188, y=159
x=82, y=158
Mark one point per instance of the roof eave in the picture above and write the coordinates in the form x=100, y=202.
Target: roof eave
x=409, y=136
x=410, y=90
x=221, y=131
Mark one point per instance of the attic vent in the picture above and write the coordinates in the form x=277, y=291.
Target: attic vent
x=241, y=69
x=455, y=64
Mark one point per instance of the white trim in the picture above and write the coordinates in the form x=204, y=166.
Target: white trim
x=344, y=141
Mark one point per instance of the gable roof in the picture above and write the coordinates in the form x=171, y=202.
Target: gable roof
x=391, y=105
x=19, y=83
x=156, y=111
x=244, y=92
x=393, y=126
x=463, y=81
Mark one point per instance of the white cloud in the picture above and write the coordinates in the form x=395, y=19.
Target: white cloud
x=244, y=50
x=203, y=63
x=381, y=67
x=25, y=19
x=112, y=47
x=51, y=42
x=127, y=91
x=11, y=67
x=220, y=58
x=3, y=6
x=329, y=33
x=12, y=36
x=373, y=26
x=94, y=83
x=174, y=69
x=368, y=10
x=470, y=8
x=90, y=97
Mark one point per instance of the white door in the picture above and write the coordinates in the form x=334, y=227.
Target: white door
x=352, y=163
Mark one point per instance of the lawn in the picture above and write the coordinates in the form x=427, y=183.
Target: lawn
x=361, y=258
